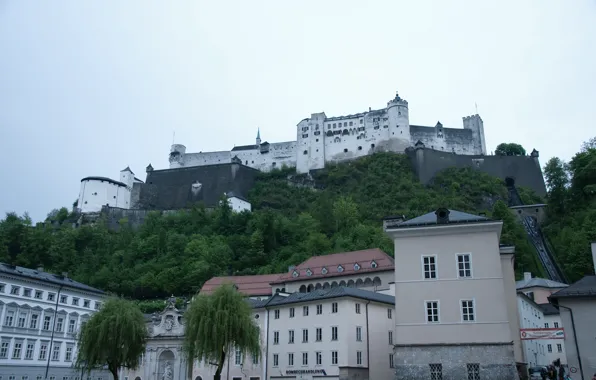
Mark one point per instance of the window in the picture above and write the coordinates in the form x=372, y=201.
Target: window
x=72, y=324
x=291, y=312
x=389, y=313
x=51, y=297
x=546, y=325
x=432, y=311
x=305, y=311
x=4, y=350
x=43, y=351
x=559, y=347
x=556, y=325
x=68, y=355
x=276, y=314
x=334, y=357
x=359, y=334
x=334, y=333
x=334, y=307
x=63, y=299
x=75, y=301
x=276, y=337
x=436, y=371
x=304, y=335
x=429, y=267
x=56, y=351
x=9, y=318
x=29, y=351
x=275, y=360
x=255, y=360
x=2, y=286
x=238, y=357
x=86, y=303
x=473, y=371
x=291, y=336
x=319, y=334
x=467, y=311
x=358, y=357
x=16, y=350
x=15, y=290
x=38, y=294
x=391, y=364
x=531, y=295
x=391, y=338
x=22, y=319
x=97, y=305
x=464, y=266
x=319, y=309
x=47, y=320
x=33, y=321
x=290, y=359
x=59, y=323
x=305, y=358
x=319, y=357
x=27, y=293
x=549, y=347
x=357, y=308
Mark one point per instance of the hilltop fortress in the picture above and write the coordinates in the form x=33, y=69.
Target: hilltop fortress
x=321, y=139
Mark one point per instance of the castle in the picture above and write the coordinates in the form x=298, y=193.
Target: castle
x=321, y=139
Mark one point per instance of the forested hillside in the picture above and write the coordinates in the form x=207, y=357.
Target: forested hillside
x=176, y=254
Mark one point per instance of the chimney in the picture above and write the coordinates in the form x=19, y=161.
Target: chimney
x=40, y=268
x=65, y=274
x=594, y=255
x=442, y=216
x=527, y=276
x=369, y=109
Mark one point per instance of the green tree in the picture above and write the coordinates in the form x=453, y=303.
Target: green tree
x=510, y=149
x=218, y=323
x=557, y=181
x=114, y=336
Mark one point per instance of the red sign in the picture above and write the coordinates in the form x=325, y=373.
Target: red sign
x=528, y=334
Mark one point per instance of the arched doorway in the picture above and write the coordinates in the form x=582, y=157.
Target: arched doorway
x=198, y=378
x=166, y=365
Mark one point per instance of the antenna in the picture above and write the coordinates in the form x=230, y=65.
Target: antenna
x=476, y=105
x=173, y=137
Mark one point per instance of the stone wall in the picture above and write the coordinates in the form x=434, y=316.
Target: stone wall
x=494, y=361
x=353, y=373
x=524, y=170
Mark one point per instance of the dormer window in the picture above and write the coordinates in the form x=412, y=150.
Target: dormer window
x=308, y=272
x=324, y=270
x=374, y=264
x=295, y=273
x=340, y=268
x=356, y=266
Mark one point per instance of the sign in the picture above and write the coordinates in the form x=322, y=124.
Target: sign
x=306, y=372
x=572, y=369
x=529, y=334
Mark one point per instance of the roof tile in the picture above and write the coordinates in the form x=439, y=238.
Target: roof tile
x=258, y=285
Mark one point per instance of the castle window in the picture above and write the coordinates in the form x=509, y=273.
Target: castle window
x=359, y=148
x=399, y=112
x=372, y=145
x=345, y=123
x=361, y=121
x=305, y=135
x=333, y=125
x=305, y=152
x=385, y=126
x=317, y=140
x=351, y=123
x=114, y=197
x=346, y=150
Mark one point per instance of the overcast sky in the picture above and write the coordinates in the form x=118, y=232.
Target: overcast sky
x=90, y=87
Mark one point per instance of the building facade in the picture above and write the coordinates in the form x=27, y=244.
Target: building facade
x=41, y=315
x=321, y=139
x=456, y=314
x=96, y=192
x=531, y=318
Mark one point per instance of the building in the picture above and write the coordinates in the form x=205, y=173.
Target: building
x=531, y=320
x=256, y=287
x=102, y=191
x=538, y=289
x=577, y=307
x=455, y=300
x=41, y=314
x=321, y=139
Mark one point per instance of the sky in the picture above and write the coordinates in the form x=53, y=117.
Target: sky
x=88, y=87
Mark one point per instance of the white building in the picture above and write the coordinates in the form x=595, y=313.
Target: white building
x=455, y=299
x=531, y=319
x=41, y=314
x=102, y=191
x=321, y=139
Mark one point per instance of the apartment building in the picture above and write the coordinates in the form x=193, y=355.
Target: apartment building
x=41, y=314
x=455, y=298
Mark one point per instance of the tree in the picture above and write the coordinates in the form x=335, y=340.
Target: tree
x=114, y=336
x=510, y=149
x=217, y=323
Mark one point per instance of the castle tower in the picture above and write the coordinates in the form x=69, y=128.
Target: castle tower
x=475, y=124
x=310, y=143
x=127, y=177
x=398, y=133
x=258, y=141
x=176, y=153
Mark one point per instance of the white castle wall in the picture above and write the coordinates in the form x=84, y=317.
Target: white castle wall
x=321, y=139
x=100, y=192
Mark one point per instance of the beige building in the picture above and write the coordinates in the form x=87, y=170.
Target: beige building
x=456, y=312
x=538, y=289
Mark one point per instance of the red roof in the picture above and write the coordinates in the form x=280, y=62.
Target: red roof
x=365, y=261
x=249, y=285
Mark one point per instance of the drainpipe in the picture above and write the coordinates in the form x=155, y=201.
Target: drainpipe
x=367, y=340
x=265, y=359
x=579, y=358
x=53, y=328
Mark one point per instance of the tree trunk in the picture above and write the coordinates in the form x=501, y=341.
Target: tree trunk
x=222, y=359
x=114, y=370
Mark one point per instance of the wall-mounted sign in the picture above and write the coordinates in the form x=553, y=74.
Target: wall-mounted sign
x=306, y=372
x=528, y=334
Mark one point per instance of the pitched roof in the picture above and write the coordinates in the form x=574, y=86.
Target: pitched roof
x=586, y=287
x=328, y=266
x=250, y=285
x=104, y=179
x=431, y=219
x=322, y=294
x=548, y=309
x=538, y=282
x=38, y=275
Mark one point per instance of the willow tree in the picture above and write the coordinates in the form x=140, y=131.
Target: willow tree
x=218, y=323
x=114, y=336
